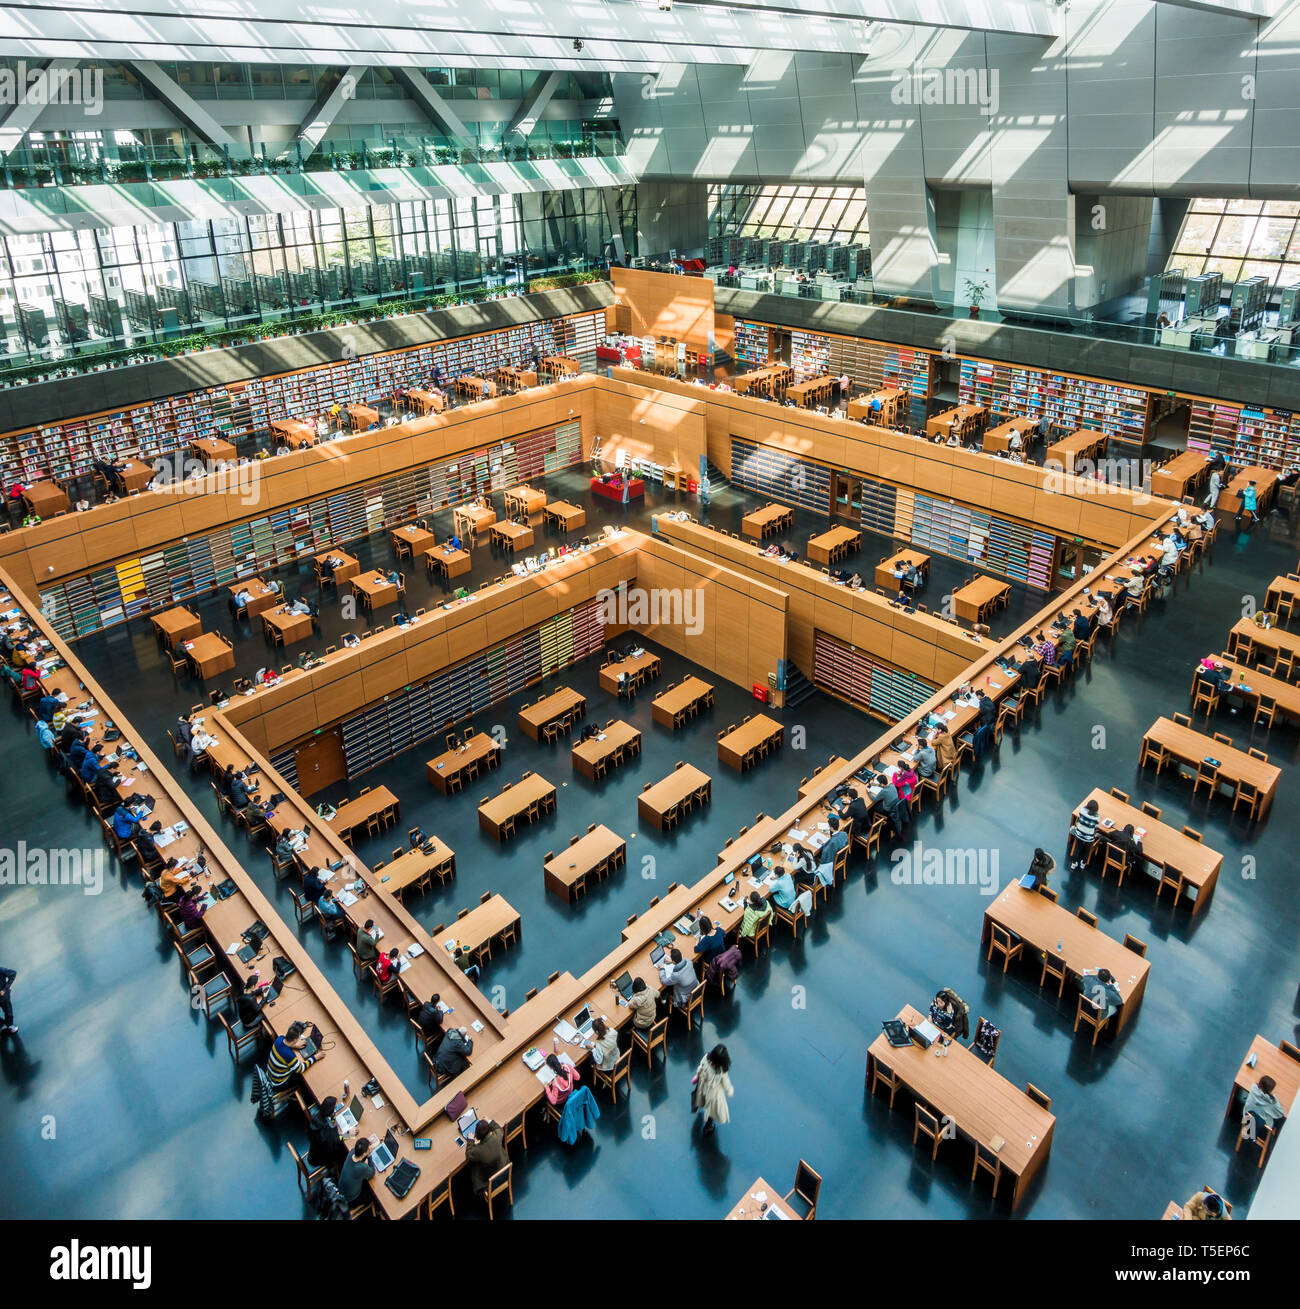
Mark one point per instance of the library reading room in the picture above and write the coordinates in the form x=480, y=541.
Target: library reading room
x=569, y=645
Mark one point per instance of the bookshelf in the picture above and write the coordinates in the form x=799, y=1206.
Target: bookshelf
x=415, y=714
x=794, y=482
x=752, y=345
x=866, y=682
x=242, y=410
x=810, y=355
x=1245, y=434
x=120, y=591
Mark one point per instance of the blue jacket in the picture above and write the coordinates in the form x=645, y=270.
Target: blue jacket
x=89, y=768
x=44, y=734
x=123, y=823
x=580, y=1114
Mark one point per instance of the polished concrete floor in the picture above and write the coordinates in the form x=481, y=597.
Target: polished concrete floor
x=121, y=1100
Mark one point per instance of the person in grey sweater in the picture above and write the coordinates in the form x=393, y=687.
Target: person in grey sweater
x=357, y=1170
x=926, y=762
x=678, y=973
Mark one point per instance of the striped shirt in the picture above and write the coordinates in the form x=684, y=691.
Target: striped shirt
x=283, y=1063
x=1085, y=826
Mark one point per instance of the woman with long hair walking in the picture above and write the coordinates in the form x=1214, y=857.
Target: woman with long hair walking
x=713, y=1088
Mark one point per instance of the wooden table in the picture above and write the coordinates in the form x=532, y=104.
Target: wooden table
x=213, y=451
x=765, y=381
x=425, y=401
x=762, y=523
x=813, y=392
x=664, y=796
x=361, y=416
x=293, y=432
x=885, y=578
x=357, y=812
x=1265, y=480
x=890, y=398
x=525, y=500
x=1189, y=746
x=515, y=379
x=1249, y=684
x=671, y=707
x=411, y=540
x=1045, y=926
x=284, y=628
x=471, y=519
x=1193, y=861
x=1247, y=639
x=480, y=749
x=601, y=850
x=134, y=475
x=567, y=517
x=512, y=536
x=477, y=388
x=1270, y=1061
x=979, y=598
x=346, y=570
x=1280, y=587
x=412, y=867
x=999, y=438
x=514, y=803
x=480, y=927
x=749, y=1205
x=260, y=596
x=450, y=563
x=554, y=366
x=739, y=749
x=1070, y=450
x=549, y=709
x=1181, y=475
x=178, y=624
x=968, y=418
x=210, y=653
x=46, y=498
x=619, y=738
x=374, y=589
x=832, y=546
x=981, y=1103
x=638, y=668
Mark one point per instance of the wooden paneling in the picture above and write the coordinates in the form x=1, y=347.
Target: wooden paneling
x=663, y=304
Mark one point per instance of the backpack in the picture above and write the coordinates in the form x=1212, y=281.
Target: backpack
x=960, y=1013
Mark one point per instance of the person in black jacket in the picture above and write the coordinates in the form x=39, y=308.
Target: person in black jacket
x=1031, y=673
x=313, y=887
x=1082, y=625
x=857, y=814
x=453, y=1054
x=892, y=805
x=7, y=976
x=239, y=796
x=429, y=1020
x=326, y=1148
x=988, y=710
x=1127, y=842
x=250, y=1003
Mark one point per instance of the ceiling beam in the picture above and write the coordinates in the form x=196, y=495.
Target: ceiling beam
x=1251, y=9
x=326, y=109
x=440, y=113
x=23, y=116
x=182, y=104
x=534, y=103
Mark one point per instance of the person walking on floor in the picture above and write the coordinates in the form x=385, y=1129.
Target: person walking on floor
x=7, y=1027
x=713, y=1088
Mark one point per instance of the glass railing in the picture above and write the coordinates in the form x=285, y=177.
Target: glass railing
x=76, y=163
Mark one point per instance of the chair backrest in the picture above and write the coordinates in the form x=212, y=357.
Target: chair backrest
x=1118, y=794
x=1131, y=942
x=1037, y=1096
x=807, y=1182
x=1082, y=913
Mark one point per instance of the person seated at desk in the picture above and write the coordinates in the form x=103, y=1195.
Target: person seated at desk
x=786, y=895
x=1045, y=649
x=104, y=787
x=328, y=907
x=1082, y=625
x=313, y=885
x=1206, y=1206
x=428, y=1018
x=44, y=734
x=298, y=606
x=325, y=1148
x=461, y=958
x=201, y=742
x=837, y=841
x=905, y=780
x=943, y=1013
x=562, y=1085
x=267, y=677
x=712, y=940
x=453, y=1054
x=124, y=823
x=678, y=973
x=286, y=1059
x=47, y=706
x=1084, y=833
x=891, y=804
x=240, y=793
x=856, y=813
x=1041, y=867
x=945, y=748
x=1065, y=649
x=357, y=1170
x=251, y=1002
x=757, y=912
x=451, y=546
x=190, y=908
x=485, y=1154
x=1134, y=587
x=240, y=600
x=1128, y=844
x=91, y=767
x=172, y=878
x=927, y=762
x=604, y=1045
x=1099, y=989
x=643, y=1003
x=802, y=865
x=1169, y=556
x=1104, y=612
x=367, y=944
x=1214, y=675
x=327, y=567
x=1013, y=440
x=1262, y=1108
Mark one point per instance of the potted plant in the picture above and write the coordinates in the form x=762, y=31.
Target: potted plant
x=975, y=293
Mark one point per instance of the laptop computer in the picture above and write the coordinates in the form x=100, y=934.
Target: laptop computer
x=347, y=1118
x=466, y=1122
x=582, y=1021
x=385, y=1152
x=623, y=985
x=657, y=954
x=896, y=1032
x=273, y=991
x=314, y=1043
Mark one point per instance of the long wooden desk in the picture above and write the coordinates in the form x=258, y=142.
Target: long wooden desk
x=284, y=628
x=357, y=812
x=512, y=536
x=515, y=379
x=739, y=749
x=482, y=926
x=1270, y=1061
x=670, y=708
x=450, y=563
x=1193, y=861
x=760, y=1200
x=411, y=540
x=769, y=381
x=46, y=499
x=470, y=519
x=967, y=417
x=176, y=625
x=563, y=700
x=1265, y=480
x=347, y=569
x=1247, y=639
x=567, y=517
x=762, y=523
x=261, y=597
x=831, y=546
x=1189, y=746
x=1080, y=445
x=514, y=803
x=815, y=391
x=982, y=1104
x=213, y=451
x=885, y=578
x=664, y=796
x=1048, y=927
x=979, y=598
x=620, y=740
x=525, y=500
x=374, y=589
x=360, y=417
x=999, y=438
x=889, y=399
x=464, y=761
x=1249, y=684
x=1279, y=587
x=425, y=401
x=639, y=668
x=293, y=432
x=415, y=865
x=593, y=853
x=556, y=366
x=209, y=653
x=134, y=475
x=1181, y=475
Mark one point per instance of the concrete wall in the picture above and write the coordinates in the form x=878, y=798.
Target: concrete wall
x=671, y=216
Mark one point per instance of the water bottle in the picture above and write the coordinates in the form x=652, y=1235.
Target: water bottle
x=1060, y=942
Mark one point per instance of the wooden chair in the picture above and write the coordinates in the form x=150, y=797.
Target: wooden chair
x=1053, y=966
x=1114, y=860
x=807, y=1189
x=1087, y=1013
x=997, y=1040
x=693, y=1005
x=1045, y=1101
x=1084, y=916
x=989, y=1162
x=884, y=1076
x=649, y=1041
x=1257, y=1134
x=307, y=1175
x=1131, y=942
x=927, y=1124
x=1001, y=942
x=621, y=1072
x=500, y=1183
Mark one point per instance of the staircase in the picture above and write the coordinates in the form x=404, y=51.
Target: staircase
x=797, y=687
x=716, y=478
